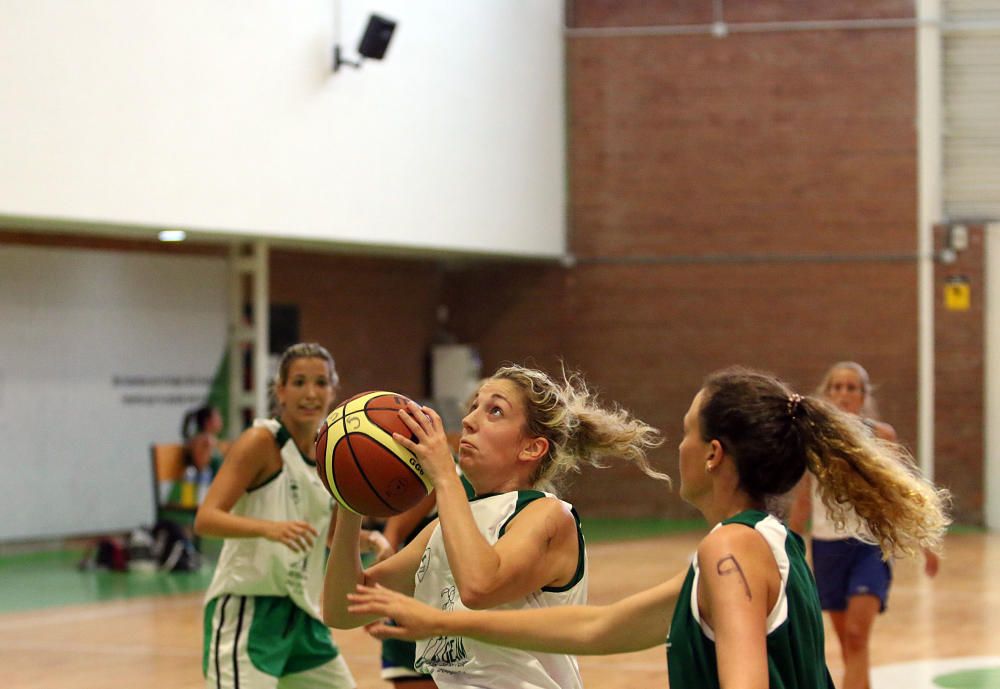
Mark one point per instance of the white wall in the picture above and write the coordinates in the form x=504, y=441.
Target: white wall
x=100, y=355
x=225, y=116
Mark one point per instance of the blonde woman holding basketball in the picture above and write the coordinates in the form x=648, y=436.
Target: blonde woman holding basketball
x=513, y=546
x=263, y=627
x=852, y=576
x=745, y=614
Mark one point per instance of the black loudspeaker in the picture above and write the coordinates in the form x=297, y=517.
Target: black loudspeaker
x=284, y=327
x=376, y=39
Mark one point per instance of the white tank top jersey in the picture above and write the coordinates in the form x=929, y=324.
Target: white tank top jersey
x=823, y=527
x=259, y=567
x=463, y=663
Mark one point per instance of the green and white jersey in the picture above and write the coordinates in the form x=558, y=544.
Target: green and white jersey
x=259, y=567
x=795, y=652
x=463, y=663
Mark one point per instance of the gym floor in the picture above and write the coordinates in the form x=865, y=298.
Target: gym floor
x=63, y=628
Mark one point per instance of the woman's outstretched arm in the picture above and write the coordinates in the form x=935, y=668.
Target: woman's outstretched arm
x=631, y=624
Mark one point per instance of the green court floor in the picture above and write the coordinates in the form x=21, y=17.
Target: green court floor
x=51, y=579
x=38, y=580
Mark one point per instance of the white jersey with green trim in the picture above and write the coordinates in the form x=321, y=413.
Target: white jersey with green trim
x=259, y=567
x=463, y=663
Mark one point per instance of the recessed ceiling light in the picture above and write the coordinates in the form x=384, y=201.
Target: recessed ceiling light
x=172, y=236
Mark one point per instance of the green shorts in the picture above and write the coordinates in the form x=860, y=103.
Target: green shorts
x=263, y=642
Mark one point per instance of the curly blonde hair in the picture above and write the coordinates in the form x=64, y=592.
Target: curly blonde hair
x=579, y=430
x=775, y=435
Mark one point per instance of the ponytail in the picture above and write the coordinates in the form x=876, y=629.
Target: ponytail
x=878, y=479
x=774, y=435
x=579, y=430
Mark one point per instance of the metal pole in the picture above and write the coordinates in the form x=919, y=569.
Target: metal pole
x=929, y=146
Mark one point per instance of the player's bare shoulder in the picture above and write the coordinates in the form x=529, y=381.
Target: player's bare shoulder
x=549, y=513
x=255, y=451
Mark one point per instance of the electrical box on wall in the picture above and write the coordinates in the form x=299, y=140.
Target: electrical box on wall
x=455, y=373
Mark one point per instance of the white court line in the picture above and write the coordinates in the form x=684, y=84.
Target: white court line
x=27, y=620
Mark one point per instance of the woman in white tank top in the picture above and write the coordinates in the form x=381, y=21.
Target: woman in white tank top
x=262, y=616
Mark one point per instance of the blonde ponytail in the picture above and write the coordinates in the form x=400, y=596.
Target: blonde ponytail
x=579, y=430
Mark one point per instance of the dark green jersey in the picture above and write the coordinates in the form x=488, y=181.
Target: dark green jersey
x=795, y=652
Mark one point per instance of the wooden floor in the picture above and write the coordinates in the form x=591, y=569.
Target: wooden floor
x=154, y=643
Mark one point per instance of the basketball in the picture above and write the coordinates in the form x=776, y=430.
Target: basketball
x=365, y=470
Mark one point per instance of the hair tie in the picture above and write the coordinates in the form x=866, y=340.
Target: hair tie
x=793, y=403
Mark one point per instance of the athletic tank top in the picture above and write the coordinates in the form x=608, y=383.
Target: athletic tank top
x=823, y=527
x=259, y=567
x=795, y=653
x=463, y=663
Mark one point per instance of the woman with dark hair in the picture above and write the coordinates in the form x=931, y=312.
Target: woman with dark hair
x=745, y=613
x=200, y=431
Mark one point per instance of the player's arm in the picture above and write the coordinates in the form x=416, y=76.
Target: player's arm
x=344, y=571
x=247, y=465
x=884, y=431
x=631, y=624
x=399, y=526
x=736, y=568
x=540, y=547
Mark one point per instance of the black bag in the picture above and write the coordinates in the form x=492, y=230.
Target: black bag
x=172, y=548
x=107, y=553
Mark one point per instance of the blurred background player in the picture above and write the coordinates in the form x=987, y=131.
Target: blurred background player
x=263, y=626
x=852, y=576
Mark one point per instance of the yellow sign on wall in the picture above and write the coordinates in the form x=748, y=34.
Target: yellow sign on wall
x=957, y=293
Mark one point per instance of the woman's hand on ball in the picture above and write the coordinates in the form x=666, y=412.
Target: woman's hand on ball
x=431, y=446
x=297, y=535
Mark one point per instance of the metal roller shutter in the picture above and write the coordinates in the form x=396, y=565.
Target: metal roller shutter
x=971, y=112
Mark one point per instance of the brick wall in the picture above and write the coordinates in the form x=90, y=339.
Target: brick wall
x=748, y=199
x=376, y=315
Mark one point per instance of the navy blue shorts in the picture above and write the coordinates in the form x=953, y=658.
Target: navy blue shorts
x=397, y=661
x=849, y=567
